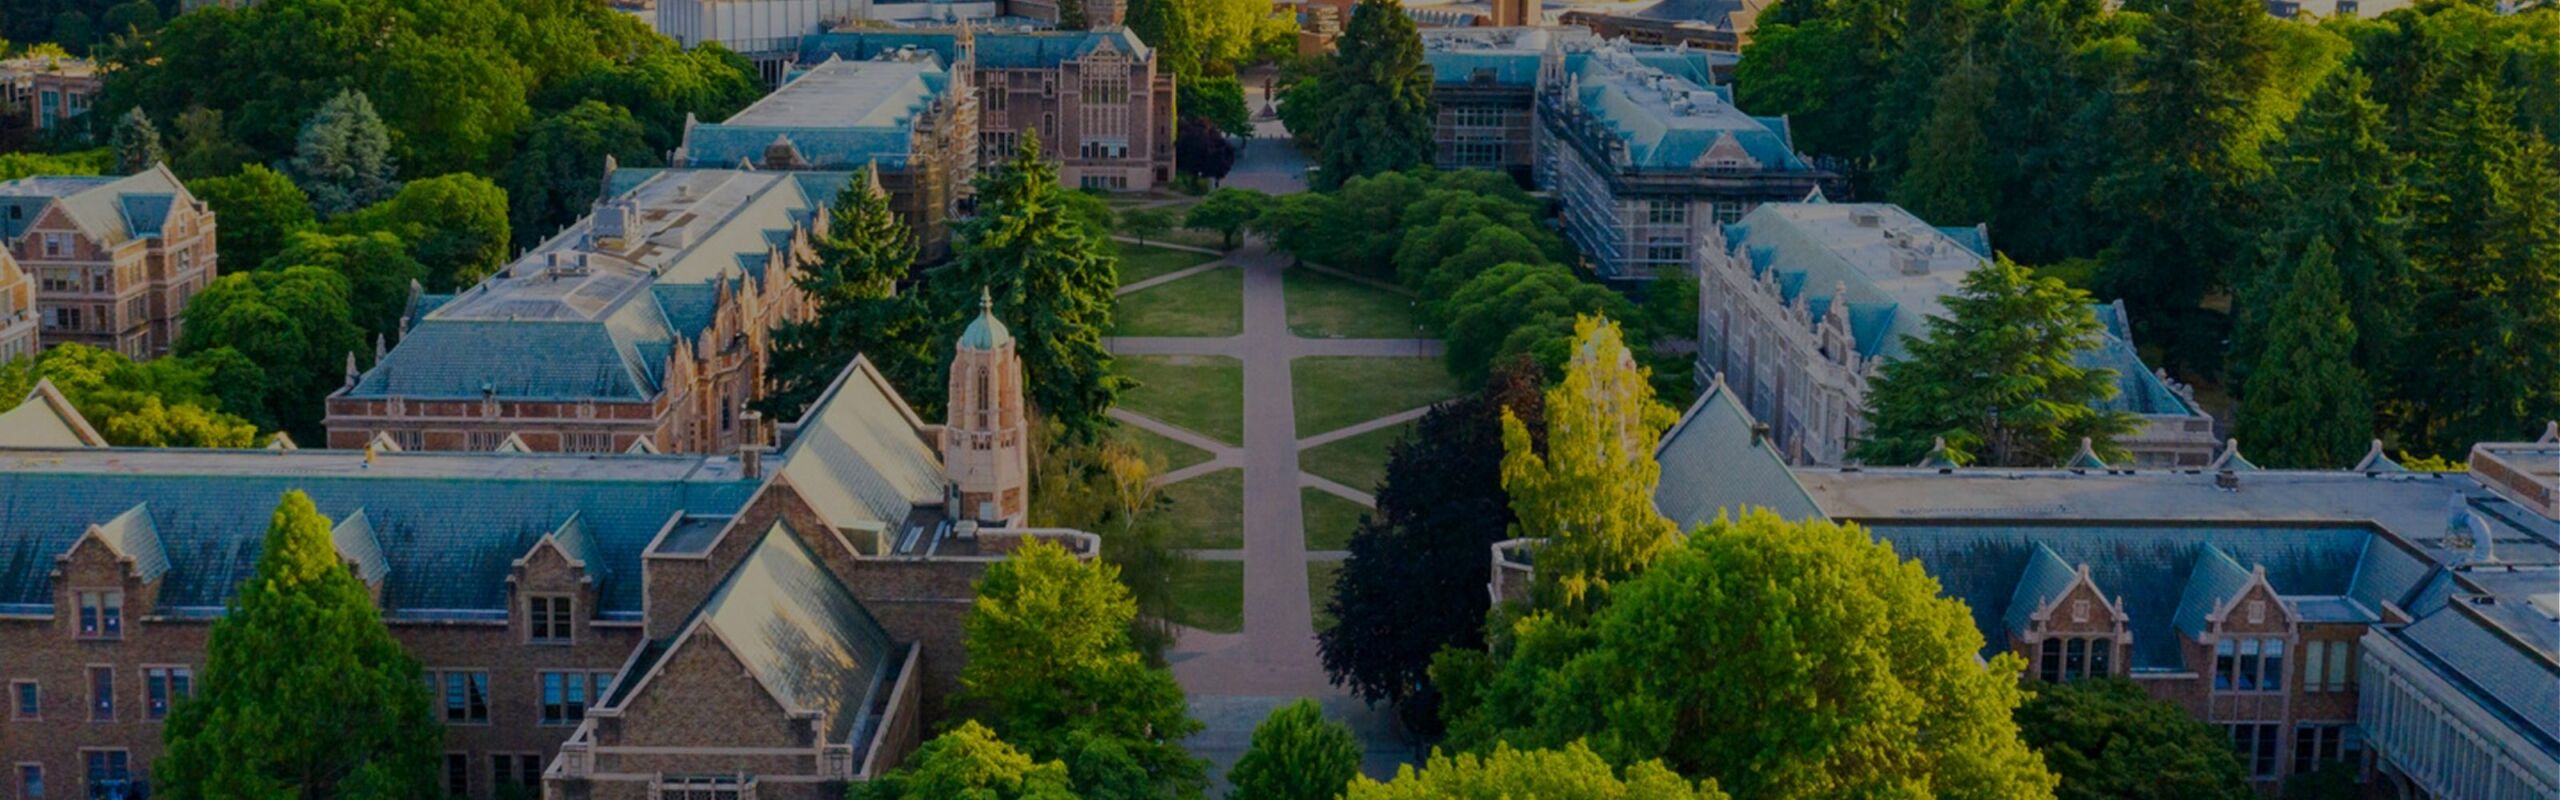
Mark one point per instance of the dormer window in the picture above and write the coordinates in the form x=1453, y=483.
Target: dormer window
x=547, y=618
x=101, y=615
x=2248, y=665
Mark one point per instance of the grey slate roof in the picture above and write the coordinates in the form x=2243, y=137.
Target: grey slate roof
x=2214, y=581
x=2046, y=578
x=839, y=114
x=111, y=210
x=2513, y=679
x=995, y=49
x=1712, y=466
x=354, y=538
x=133, y=537
x=448, y=525
x=801, y=633
x=860, y=458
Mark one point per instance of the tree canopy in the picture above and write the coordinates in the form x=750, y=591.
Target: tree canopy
x=136, y=143
x=304, y=692
x=560, y=169
x=1783, y=659
x=1509, y=774
x=1586, y=491
x=969, y=763
x=1296, y=754
x=1227, y=210
x=343, y=157
x=164, y=402
x=857, y=310
x=454, y=225
x=2107, y=739
x=258, y=210
x=296, y=323
x=1380, y=98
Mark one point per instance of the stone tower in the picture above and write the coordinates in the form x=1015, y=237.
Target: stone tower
x=984, y=440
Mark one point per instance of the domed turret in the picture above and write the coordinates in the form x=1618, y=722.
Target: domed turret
x=984, y=446
x=985, y=333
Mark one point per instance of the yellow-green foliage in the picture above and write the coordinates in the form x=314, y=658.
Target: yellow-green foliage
x=1573, y=772
x=1589, y=492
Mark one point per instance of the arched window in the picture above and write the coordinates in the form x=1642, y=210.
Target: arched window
x=985, y=402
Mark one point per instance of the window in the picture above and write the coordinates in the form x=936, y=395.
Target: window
x=587, y=442
x=466, y=696
x=31, y=781
x=167, y=686
x=2329, y=666
x=2256, y=742
x=985, y=399
x=110, y=774
x=515, y=769
x=1666, y=212
x=2248, y=665
x=1666, y=251
x=56, y=244
x=2064, y=658
x=457, y=775
x=101, y=615
x=2318, y=745
x=26, y=697
x=102, y=694
x=700, y=789
x=410, y=441
x=567, y=695
x=547, y=618
x=1728, y=213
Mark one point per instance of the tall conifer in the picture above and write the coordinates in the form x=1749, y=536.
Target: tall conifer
x=2306, y=404
x=1382, y=111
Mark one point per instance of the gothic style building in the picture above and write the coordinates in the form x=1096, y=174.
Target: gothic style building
x=1801, y=304
x=768, y=624
x=53, y=92
x=642, y=328
x=114, y=259
x=17, y=310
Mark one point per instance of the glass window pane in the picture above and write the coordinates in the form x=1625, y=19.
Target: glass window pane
x=2274, y=654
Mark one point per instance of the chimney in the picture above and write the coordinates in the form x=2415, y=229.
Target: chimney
x=1759, y=433
x=751, y=445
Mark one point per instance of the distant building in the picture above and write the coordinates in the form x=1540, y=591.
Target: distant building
x=1102, y=107
x=50, y=91
x=1719, y=25
x=906, y=113
x=115, y=260
x=1643, y=156
x=2333, y=9
x=2404, y=624
x=1801, y=305
x=768, y=32
x=1484, y=94
x=17, y=310
x=590, y=626
x=644, y=327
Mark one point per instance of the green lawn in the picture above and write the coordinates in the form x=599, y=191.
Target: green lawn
x=1338, y=391
x=1323, y=306
x=1329, y=519
x=1320, y=575
x=1359, y=462
x=1202, y=394
x=1170, y=455
x=1140, y=262
x=1208, y=511
x=1208, y=304
x=1209, y=595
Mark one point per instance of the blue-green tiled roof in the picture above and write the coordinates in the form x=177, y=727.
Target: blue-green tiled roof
x=995, y=50
x=1712, y=466
x=1503, y=68
x=2214, y=581
x=1633, y=100
x=448, y=542
x=2047, y=576
x=2502, y=675
x=1982, y=565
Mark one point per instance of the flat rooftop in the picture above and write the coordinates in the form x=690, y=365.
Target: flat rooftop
x=883, y=93
x=354, y=464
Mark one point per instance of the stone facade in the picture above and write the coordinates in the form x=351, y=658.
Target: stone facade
x=645, y=327
x=50, y=91
x=114, y=260
x=17, y=310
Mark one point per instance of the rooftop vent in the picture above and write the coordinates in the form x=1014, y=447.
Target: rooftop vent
x=1866, y=217
x=1910, y=260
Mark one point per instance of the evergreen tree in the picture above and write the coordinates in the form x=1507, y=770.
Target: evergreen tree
x=1414, y=581
x=1054, y=280
x=1588, y=492
x=1382, y=108
x=2337, y=181
x=2503, y=354
x=343, y=157
x=1296, y=754
x=1785, y=660
x=969, y=763
x=1051, y=668
x=1998, y=378
x=2307, y=405
x=853, y=291
x=304, y=692
x=2109, y=740
x=136, y=142
x=1951, y=178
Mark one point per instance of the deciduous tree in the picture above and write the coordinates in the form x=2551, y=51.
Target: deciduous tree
x=1507, y=774
x=1998, y=378
x=258, y=210
x=304, y=692
x=454, y=225
x=1382, y=107
x=377, y=268
x=1199, y=148
x=165, y=402
x=1142, y=223
x=560, y=169
x=2107, y=739
x=1522, y=310
x=1228, y=211
x=1587, y=493
x=1785, y=660
x=969, y=763
x=1296, y=754
x=296, y=323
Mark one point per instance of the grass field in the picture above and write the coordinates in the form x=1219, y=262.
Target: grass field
x=1320, y=577
x=1209, y=595
x=1201, y=394
x=1208, y=511
x=1208, y=304
x=1329, y=519
x=1359, y=462
x=1170, y=455
x=1323, y=306
x=1140, y=262
x=1338, y=391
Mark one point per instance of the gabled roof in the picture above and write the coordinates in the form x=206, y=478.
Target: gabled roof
x=838, y=114
x=1667, y=119
x=132, y=536
x=1714, y=463
x=2045, y=580
x=860, y=458
x=354, y=538
x=799, y=632
x=2515, y=679
x=46, y=419
x=111, y=210
x=2210, y=586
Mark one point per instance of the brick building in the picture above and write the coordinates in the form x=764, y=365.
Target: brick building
x=114, y=259
x=17, y=310
x=51, y=91
x=1101, y=107
x=760, y=625
x=643, y=327
x=1716, y=25
x=2403, y=623
x=1801, y=305
x=906, y=113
